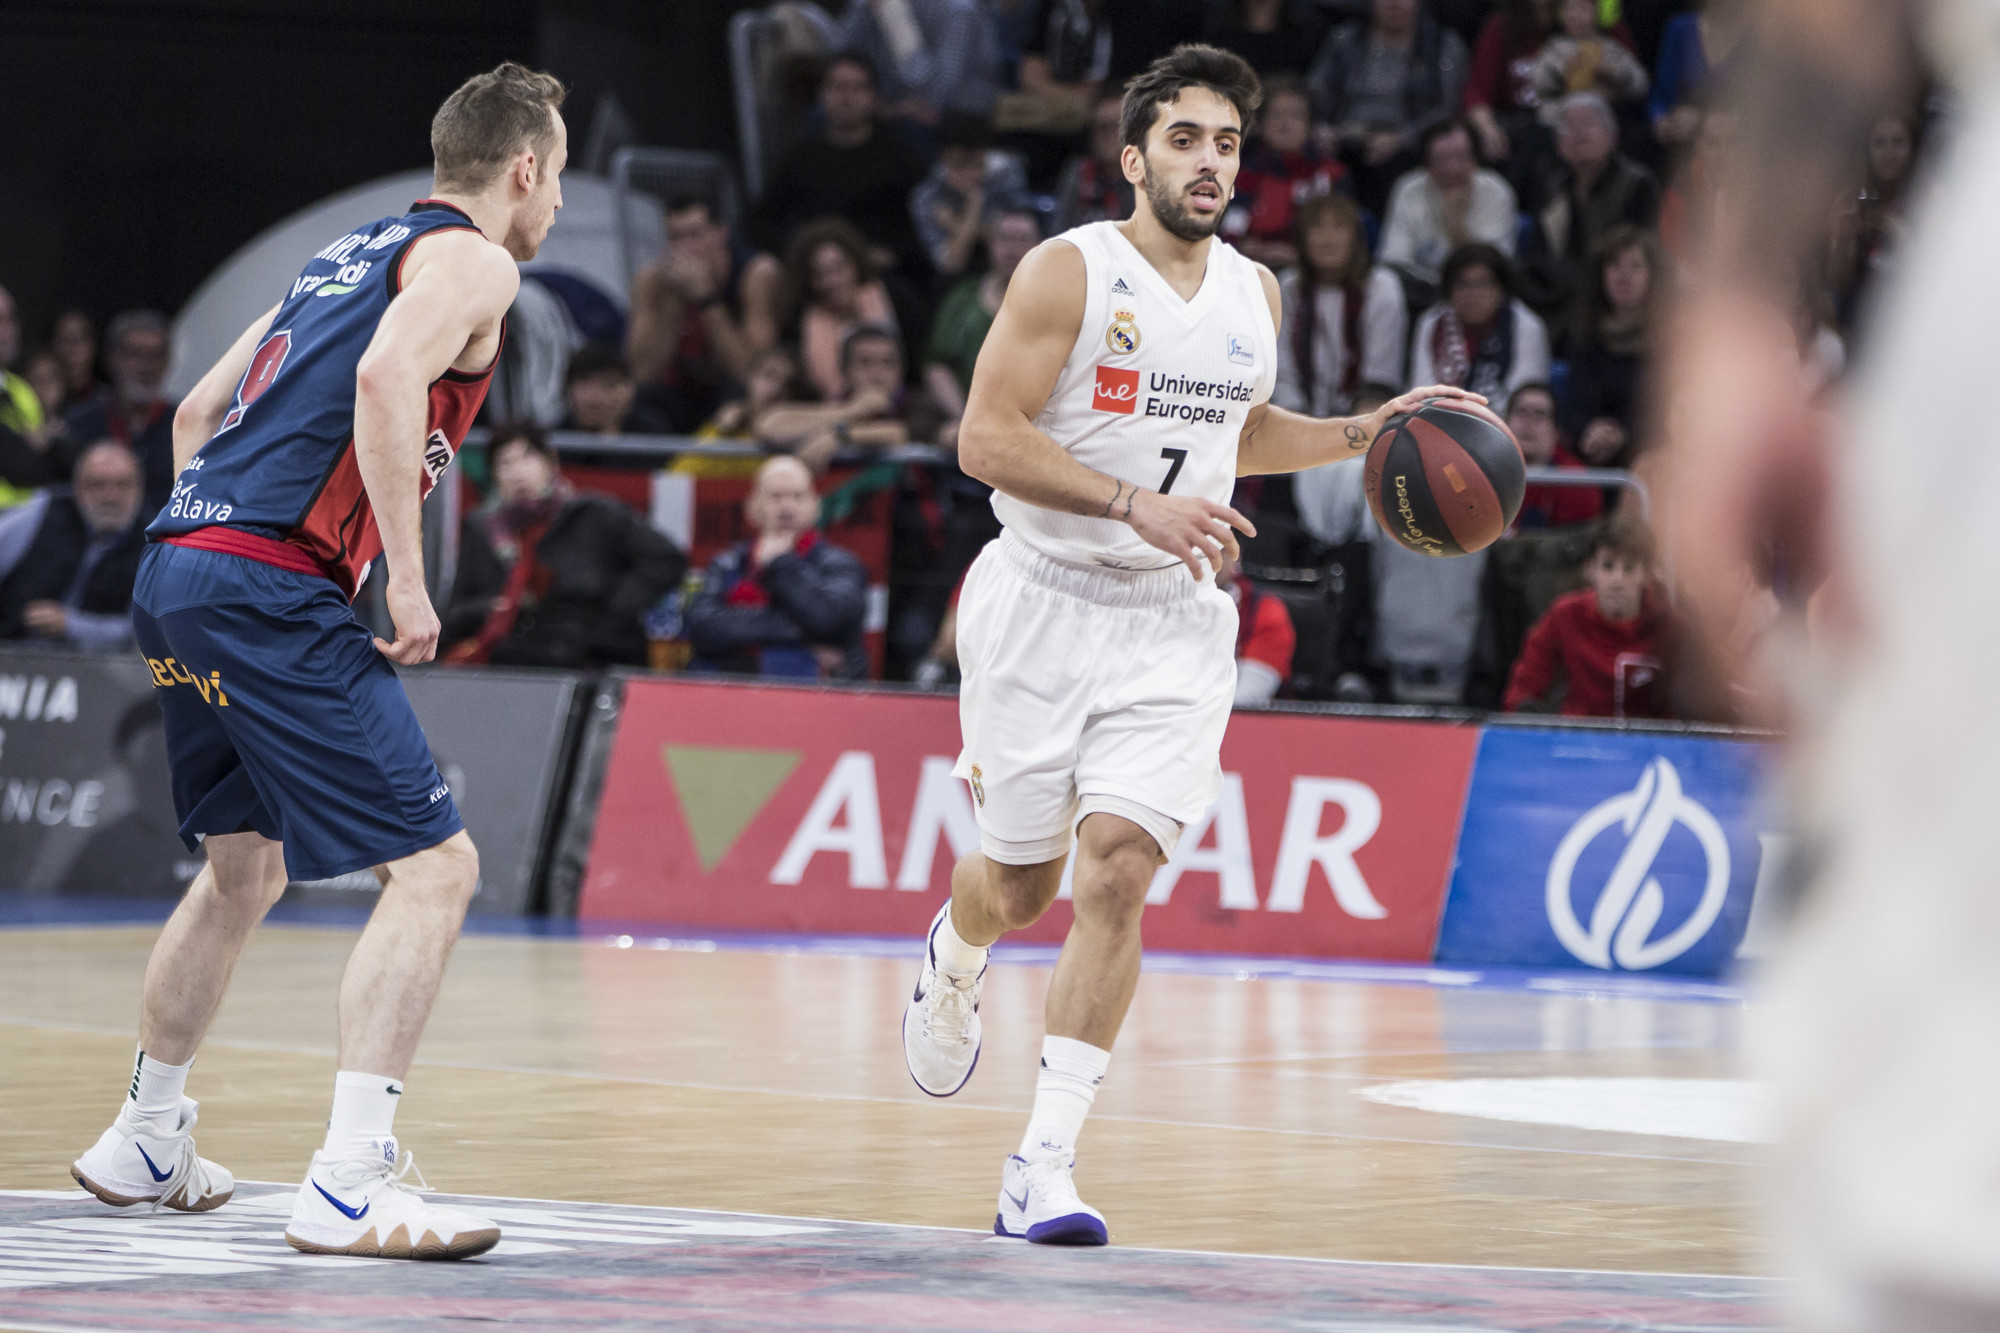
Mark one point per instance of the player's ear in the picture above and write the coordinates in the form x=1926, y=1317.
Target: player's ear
x=1133, y=160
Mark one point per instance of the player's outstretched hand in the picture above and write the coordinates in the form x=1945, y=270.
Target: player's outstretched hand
x=1461, y=399
x=1188, y=528
x=416, y=624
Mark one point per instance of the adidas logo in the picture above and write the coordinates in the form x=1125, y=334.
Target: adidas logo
x=1118, y=288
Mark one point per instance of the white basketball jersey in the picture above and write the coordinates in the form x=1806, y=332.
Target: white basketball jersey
x=1155, y=392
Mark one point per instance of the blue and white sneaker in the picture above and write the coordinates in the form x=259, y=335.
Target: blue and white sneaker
x=941, y=1024
x=139, y=1161
x=1038, y=1203
x=363, y=1205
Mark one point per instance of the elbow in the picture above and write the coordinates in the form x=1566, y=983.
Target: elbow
x=379, y=377
x=976, y=452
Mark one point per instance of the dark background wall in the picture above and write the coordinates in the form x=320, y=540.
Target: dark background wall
x=148, y=139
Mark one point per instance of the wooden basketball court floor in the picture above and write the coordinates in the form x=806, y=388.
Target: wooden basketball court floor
x=1339, y=1147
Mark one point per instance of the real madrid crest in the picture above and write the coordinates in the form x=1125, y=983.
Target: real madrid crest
x=978, y=790
x=1123, y=335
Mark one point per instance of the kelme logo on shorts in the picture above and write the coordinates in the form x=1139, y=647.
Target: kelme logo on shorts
x=1116, y=391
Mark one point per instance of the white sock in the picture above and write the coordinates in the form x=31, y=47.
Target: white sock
x=954, y=954
x=156, y=1091
x=364, y=1108
x=1071, y=1071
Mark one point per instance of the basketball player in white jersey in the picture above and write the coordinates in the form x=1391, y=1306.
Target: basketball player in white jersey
x=1120, y=393
x=1884, y=1038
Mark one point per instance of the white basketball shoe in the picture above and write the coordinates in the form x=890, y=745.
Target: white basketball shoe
x=141, y=1163
x=941, y=1024
x=1038, y=1203
x=361, y=1205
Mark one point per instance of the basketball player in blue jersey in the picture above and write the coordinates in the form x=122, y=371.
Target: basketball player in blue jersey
x=303, y=454
x=1121, y=392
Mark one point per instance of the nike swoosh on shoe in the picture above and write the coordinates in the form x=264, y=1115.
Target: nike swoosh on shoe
x=345, y=1211
x=158, y=1175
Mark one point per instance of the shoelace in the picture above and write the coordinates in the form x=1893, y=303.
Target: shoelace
x=396, y=1177
x=1052, y=1174
x=948, y=1016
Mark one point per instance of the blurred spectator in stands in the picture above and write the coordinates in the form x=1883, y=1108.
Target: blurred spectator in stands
x=878, y=411
x=1264, y=637
x=933, y=56
x=1275, y=42
x=548, y=576
x=1344, y=319
x=69, y=555
x=1449, y=202
x=831, y=288
x=1281, y=170
x=1479, y=337
x=603, y=399
x=131, y=410
x=852, y=168
x=1590, y=190
x=1500, y=98
x=43, y=371
x=1695, y=49
x=702, y=313
x=1609, y=345
x=1869, y=227
x=1611, y=647
x=774, y=379
x=969, y=186
x=1093, y=187
x=1585, y=57
x=74, y=338
x=1380, y=84
x=1531, y=415
x=959, y=330
x=787, y=602
x=23, y=413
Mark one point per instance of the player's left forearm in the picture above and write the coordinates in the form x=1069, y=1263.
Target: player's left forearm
x=1284, y=441
x=391, y=408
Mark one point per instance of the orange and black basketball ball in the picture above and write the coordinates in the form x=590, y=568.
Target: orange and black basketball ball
x=1443, y=481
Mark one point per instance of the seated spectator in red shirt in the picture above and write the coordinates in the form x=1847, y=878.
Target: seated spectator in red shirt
x=1500, y=99
x=1611, y=646
x=1281, y=171
x=1264, y=638
x=1531, y=415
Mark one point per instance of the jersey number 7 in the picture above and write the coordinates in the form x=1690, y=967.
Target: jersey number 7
x=1178, y=456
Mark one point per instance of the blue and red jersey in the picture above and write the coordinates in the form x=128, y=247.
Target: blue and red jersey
x=278, y=481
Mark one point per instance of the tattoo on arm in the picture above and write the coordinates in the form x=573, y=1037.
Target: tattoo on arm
x=1357, y=438
x=1129, y=497
x=1117, y=491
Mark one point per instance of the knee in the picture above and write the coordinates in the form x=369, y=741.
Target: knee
x=1112, y=881
x=448, y=872
x=1020, y=894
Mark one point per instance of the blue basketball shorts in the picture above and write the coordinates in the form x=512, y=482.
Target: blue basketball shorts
x=281, y=716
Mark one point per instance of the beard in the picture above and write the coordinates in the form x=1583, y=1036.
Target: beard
x=1174, y=214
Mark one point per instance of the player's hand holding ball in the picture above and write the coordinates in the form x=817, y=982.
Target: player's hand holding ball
x=1444, y=475
x=1186, y=527
x=415, y=620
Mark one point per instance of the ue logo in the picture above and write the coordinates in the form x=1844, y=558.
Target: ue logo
x=1116, y=390
x=1630, y=903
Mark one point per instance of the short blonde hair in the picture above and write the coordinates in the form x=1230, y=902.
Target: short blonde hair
x=491, y=117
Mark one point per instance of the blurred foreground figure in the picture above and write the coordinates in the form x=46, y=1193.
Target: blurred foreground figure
x=1888, y=1188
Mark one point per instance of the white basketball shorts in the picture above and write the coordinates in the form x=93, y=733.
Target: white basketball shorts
x=1089, y=689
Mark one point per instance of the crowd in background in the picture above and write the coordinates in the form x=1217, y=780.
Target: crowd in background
x=1491, y=195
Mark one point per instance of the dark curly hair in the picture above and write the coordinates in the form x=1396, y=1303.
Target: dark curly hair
x=1190, y=65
